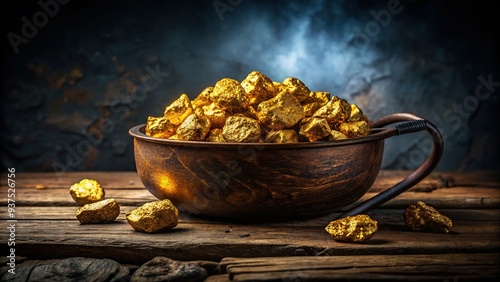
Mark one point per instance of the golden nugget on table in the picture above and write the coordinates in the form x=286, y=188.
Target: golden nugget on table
x=421, y=217
x=259, y=110
x=155, y=216
x=355, y=229
x=104, y=211
x=87, y=191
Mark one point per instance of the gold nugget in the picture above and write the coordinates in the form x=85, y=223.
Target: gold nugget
x=280, y=112
x=336, y=135
x=282, y=136
x=356, y=114
x=295, y=87
x=104, y=211
x=336, y=111
x=320, y=96
x=355, y=129
x=194, y=128
x=358, y=228
x=154, y=216
x=159, y=127
x=258, y=87
x=315, y=129
x=310, y=107
x=229, y=95
x=421, y=217
x=215, y=135
x=314, y=101
x=241, y=129
x=203, y=99
x=86, y=191
x=216, y=115
x=179, y=110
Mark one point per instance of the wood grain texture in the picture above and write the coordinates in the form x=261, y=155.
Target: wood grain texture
x=455, y=267
x=47, y=229
x=441, y=189
x=210, y=241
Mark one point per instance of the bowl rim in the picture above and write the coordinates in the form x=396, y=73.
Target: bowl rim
x=377, y=134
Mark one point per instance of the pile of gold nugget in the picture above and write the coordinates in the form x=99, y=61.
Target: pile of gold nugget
x=259, y=110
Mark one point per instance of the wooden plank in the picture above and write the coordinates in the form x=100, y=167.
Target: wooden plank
x=402, y=273
x=218, y=278
x=118, y=185
x=383, y=215
x=130, y=179
x=453, y=197
x=194, y=241
x=374, y=267
x=471, y=178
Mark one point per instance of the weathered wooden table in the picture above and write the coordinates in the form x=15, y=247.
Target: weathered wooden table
x=300, y=250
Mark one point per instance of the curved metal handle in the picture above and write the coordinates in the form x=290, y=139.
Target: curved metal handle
x=410, y=123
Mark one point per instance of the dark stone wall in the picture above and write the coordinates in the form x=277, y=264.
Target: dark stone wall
x=78, y=75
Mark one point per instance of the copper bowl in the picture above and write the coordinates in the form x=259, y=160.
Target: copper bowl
x=269, y=181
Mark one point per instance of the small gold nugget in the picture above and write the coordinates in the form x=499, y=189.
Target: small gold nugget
x=203, y=99
x=179, y=110
x=216, y=115
x=282, y=111
x=421, y=217
x=315, y=129
x=104, y=211
x=295, y=87
x=356, y=114
x=355, y=129
x=159, y=127
x=336, y=111
x=358, y=228
x=320, y=96
x=336, y=135
x=86, y=191
x=154, y=216
x=241, y=129
x=193, y=128
x=282, y=136
x=215, y=135
x=229, y=95
x=314, y=101
x=258, y=87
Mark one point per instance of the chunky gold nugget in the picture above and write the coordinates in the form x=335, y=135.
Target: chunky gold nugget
x=421, y=217
x=155, y=216
x=86, y=191
x=104, y=211
x=358, y=228
x=259, y=110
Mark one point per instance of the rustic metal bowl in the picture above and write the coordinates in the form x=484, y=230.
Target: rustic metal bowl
x=269, y=181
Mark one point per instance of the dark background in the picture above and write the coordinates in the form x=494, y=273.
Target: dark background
x=72, y=91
